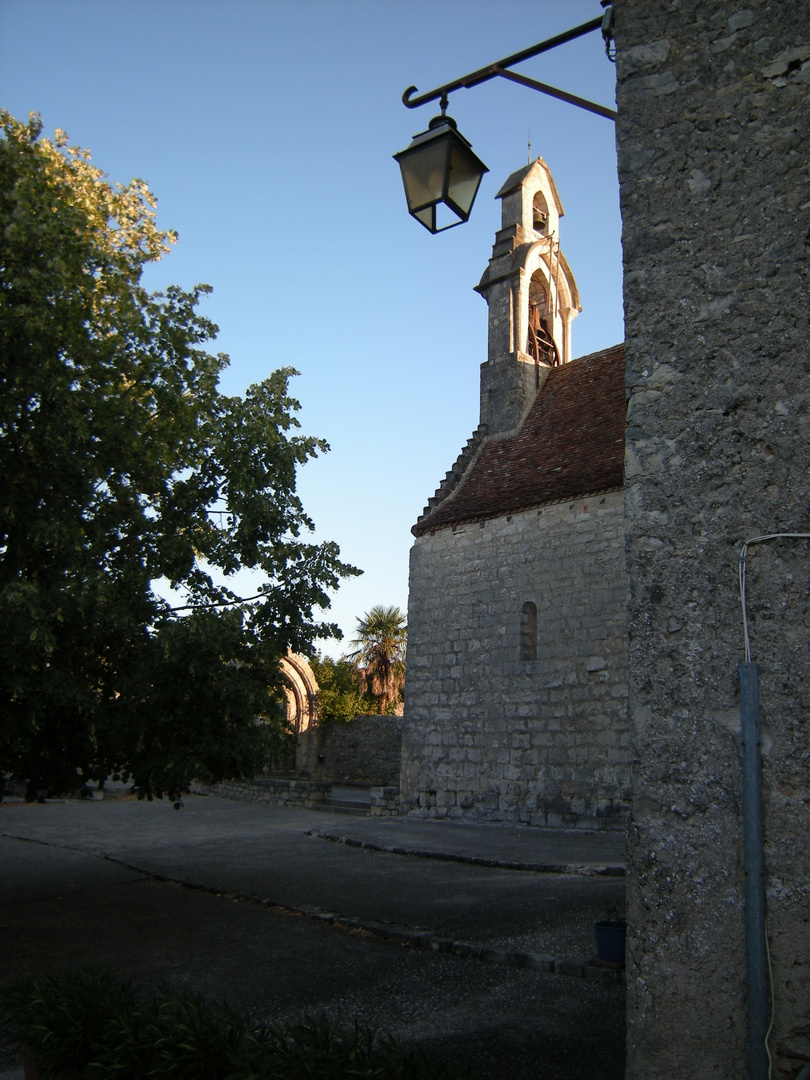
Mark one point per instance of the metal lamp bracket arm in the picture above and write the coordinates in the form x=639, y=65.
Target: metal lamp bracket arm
x=501, y=68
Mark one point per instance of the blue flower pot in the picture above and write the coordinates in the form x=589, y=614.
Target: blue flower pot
x=610, y=937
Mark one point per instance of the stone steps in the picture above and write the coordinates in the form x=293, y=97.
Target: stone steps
x=454, y=475
x=348, y=800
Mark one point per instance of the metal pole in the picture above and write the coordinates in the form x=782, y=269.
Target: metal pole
x=754, y=855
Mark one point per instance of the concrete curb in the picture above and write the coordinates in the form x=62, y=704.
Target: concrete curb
x=581, y=869
x=405, y=935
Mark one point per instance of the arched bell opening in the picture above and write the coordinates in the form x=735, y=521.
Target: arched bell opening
x=540, y=344
x=540, y=214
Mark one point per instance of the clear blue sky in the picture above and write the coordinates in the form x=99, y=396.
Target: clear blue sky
x=266, y=130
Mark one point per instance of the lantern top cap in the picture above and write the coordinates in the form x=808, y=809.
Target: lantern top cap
x=437, y=121
x=438, y=126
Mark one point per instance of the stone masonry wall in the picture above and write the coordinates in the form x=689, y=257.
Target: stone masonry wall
x=714, y=115
x=365, y=751
x=488, y=735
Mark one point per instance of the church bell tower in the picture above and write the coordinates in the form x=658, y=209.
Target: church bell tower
x=532, y=297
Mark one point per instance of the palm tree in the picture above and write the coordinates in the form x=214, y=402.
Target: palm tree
x=380, y=654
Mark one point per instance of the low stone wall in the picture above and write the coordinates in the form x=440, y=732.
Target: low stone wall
x=384, y=802
x=304, y=794
x=365, y=751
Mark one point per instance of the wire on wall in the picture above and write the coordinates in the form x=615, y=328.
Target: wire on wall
x=743, y=555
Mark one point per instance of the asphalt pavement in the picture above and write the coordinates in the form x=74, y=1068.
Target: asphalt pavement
x=471, y=941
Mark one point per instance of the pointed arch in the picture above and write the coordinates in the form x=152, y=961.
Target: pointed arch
x=546, y=273
x=540, y=343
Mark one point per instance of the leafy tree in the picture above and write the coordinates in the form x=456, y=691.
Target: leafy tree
x=380, y=638
x=340, y=697
x=123, y=465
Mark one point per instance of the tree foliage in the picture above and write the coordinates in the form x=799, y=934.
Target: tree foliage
x=340, y=697
x=123, y=466
x=380, y=638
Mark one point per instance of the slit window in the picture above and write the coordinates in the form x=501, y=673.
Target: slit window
x=528, y=631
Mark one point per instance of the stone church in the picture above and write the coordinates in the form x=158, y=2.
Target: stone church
x=516, y=693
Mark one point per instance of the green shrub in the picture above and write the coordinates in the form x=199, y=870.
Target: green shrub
x=315, y=1050
x=62, y=1019
x=88, y=1022
x=174, y=1035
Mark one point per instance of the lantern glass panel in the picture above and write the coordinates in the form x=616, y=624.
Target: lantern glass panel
x=465, y=176
x=423, y=173
x=427, y=217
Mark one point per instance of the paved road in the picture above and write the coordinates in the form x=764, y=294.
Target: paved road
x=448, y=946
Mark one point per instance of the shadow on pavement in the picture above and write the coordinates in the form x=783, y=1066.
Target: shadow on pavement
x=64, y=903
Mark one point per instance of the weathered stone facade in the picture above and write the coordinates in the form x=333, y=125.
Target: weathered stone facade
x=543, y=741
x=516, y=689
x=714, y=114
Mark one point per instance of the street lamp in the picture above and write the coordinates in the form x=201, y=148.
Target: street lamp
x=440, y=173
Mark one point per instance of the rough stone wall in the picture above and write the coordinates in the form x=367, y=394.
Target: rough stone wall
x=365, y=751
x=384, y=801
x=301, y=794
x=488, y=735
x=714, y=115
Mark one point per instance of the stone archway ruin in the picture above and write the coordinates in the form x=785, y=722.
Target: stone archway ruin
x=301, y=691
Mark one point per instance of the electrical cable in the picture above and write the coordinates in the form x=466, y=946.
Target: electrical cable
x=773, y=1003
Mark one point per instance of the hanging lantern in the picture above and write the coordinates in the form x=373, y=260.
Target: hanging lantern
x=441, y=175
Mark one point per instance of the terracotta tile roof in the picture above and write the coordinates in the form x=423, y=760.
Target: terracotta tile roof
x=571, y=444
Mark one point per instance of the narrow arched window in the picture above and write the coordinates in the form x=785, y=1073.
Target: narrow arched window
x=528, y=631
